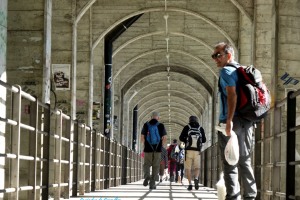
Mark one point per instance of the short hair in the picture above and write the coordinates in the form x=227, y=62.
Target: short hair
x=175, y=141
x=227, y=48
x=193, y=119
x=155, y=114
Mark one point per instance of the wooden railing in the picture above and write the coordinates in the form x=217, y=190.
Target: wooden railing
x=48, y=155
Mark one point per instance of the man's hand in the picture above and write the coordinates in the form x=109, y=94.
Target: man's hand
x=229, y=126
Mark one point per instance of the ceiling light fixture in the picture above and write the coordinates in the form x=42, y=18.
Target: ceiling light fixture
x=166, y=16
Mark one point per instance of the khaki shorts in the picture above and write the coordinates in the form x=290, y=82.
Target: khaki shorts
x=192, y=160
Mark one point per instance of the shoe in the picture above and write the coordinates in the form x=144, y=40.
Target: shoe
x=146, y=182
x=160, y=180
x=152, y=187
x=196, y=181
x=190, y=187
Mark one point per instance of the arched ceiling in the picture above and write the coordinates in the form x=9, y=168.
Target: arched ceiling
x=163, y=62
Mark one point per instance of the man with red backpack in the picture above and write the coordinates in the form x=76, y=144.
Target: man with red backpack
x=223, y=56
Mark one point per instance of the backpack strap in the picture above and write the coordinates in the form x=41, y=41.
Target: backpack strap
x=157, y=123
x=235, y=65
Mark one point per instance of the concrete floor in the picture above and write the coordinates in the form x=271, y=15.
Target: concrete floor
x=165, y=190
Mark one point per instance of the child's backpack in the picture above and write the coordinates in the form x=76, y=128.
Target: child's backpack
x=153, y=136
x=194, y=139
x=254, y=99
x=180, y=157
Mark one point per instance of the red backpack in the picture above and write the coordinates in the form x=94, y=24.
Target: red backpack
x=254, y=99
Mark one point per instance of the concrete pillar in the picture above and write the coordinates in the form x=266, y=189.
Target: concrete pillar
x=134, y=127
x=47, y=51
x=3, y=41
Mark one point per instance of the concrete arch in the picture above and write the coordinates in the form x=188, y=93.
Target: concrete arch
x=160, y=33
x=195, y=102
x=178, y=115
x=163, y=50
x=172, y=91
x=183, y=110
x=135, y=39
x=241, y=9
x=172, y=104
x=175, y=122
x=190, y=87
x=175, y=130
x=162, y=9
x=175, y=68
x=177, y=101
x=154, y=106
x=146, y=111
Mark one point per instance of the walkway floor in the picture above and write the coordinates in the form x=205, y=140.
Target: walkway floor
x=164, y=190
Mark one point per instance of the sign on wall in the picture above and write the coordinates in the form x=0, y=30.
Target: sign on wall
x=61, y=76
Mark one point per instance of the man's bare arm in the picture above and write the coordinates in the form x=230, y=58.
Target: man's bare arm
x=164, y=139
x=231, y=105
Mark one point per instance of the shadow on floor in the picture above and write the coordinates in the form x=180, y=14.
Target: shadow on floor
x=164, y=190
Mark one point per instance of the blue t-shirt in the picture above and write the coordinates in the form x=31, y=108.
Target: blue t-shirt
x=228, y=77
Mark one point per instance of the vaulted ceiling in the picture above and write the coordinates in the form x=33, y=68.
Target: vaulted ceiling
x=162, y=62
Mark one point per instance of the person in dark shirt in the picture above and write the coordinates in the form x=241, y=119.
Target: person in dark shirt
x=152, y=152
x=192, y=155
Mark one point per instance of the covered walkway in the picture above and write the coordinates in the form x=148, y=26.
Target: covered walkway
x=164, y=191
x=67, y=159
x=79, y=78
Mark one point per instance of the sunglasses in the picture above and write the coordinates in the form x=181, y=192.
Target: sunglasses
x=217, y=55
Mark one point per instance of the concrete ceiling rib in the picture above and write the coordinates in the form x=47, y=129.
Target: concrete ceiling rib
x=160, y=9
x=165, y=91
x=177, y=69
x=174, y=108
x=163, y=50
x=164, y=116
x=188, y=106
x=154, y=86
x=182, y=94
